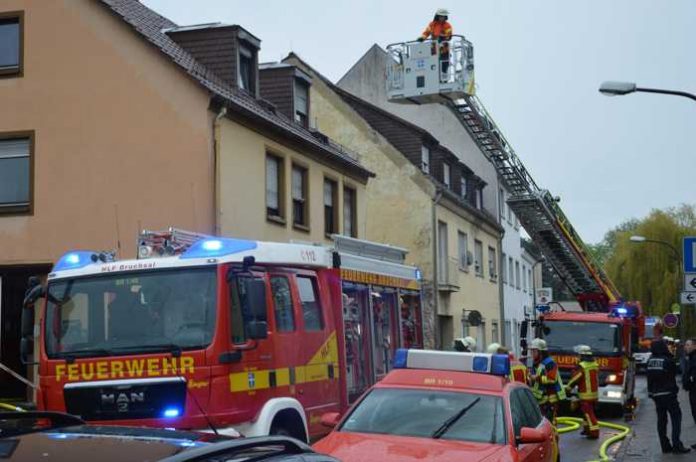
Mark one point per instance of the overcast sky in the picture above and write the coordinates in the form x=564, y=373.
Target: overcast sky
x=538, y=66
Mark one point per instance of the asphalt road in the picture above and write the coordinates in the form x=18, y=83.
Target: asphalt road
x=577, y=448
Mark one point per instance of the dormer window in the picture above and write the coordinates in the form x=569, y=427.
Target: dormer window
x=246, y=74
x=425, y=159
x=478, y=199
x=446, y=175
x=463, y=186
x=301, y=103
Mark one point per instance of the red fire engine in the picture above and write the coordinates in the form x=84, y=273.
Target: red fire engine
x=219, y=333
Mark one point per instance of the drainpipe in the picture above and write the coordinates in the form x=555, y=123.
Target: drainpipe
x=501, y=292
x=216, y=174
x=436, y=294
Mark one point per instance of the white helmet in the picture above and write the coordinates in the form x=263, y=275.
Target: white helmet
x=493, y=348
x=583, y=350
x=470, y=342
x=442, y=12
x=538, y=344
x=667, y=338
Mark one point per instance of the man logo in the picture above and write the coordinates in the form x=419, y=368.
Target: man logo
x=122, y=400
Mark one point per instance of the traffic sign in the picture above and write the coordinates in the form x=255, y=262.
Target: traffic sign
x=689, y=254
x=688, y=298
x=544, y=295
x=671, y=320
x=690, y=282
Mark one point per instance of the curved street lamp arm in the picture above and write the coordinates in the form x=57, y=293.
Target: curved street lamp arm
x=667, y=92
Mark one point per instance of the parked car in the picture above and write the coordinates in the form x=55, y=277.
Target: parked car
x=53, y=436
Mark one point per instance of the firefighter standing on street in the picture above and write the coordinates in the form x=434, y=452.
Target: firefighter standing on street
x=663, y=390
x=440, y=30
x=545, y=380
x=518, y=371
x=586, y=378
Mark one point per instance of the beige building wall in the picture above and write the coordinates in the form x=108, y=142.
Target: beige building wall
x=475, y=292
x=242, y=196
x=123, y=138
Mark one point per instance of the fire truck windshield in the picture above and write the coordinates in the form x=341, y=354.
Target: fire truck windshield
x=563, y=336
x=130, y=313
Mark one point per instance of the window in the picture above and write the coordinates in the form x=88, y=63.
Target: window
x=517, y=222
x=330, y=209
x=509, y=215
x=282, y=304
x=11, y=37
x=512, y=272
x=349, y=212
x=462, y=185
x=517, y=275
x=442, y=251
x=529, y=280
x=491, y=263
x=494, y=332
x=478, y=200
x=501, y=203
x=301, y=102
x=503, y=270
x=525, y=411
x=446, y=175
x=247, y=76
x=524, y=277
x=274, y=187
x=16, y=174
x=311, y=308
x=425, y=159
x=478, y=258
x=299, y=197
x=463, y=251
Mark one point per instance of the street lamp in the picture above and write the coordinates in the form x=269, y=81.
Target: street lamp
x=677, y=259
x=624, y=88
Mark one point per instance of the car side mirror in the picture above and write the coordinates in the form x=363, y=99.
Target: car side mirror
x=330, y=419
x=530, y=436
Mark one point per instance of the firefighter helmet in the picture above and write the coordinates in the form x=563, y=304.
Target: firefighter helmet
x=583, y=350
x=442, y=12
x=538, y=344
x=493, y=348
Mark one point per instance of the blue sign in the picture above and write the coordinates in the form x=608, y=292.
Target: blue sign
x=690, y=254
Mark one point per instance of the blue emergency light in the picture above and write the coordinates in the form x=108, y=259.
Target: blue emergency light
x=218, y=247
x=75, y=260
x=171, y=412
x=482, y=363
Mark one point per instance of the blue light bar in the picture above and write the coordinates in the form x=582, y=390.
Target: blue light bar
x=621, y=311
x=400, y=358
x=74, y=260
x=500, y=365
x=218, y=247
x=482, y=363
x=171, y=412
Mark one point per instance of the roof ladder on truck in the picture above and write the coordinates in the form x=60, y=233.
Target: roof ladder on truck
x=535, y=208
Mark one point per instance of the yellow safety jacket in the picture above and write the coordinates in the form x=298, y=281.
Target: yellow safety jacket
x=548, y=386
x=586, y=376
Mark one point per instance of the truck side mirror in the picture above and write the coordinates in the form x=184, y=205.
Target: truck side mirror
x=257, y=330
x=26, y=349
x=256, y=299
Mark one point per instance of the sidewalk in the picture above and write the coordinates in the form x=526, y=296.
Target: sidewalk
x=643, y=445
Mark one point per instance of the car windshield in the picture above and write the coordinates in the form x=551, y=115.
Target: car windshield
x=422, y=413
x=162, y=310
x=564, y=336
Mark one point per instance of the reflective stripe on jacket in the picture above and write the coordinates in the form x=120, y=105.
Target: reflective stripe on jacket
x=586, y=376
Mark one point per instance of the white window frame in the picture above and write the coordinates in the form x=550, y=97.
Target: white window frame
x=425, y=159
x=447, y=175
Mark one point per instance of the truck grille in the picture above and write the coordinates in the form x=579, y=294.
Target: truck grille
x=126, y=399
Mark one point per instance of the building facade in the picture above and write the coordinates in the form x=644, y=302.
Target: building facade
x=116, y=119
x=365, y=79
x=422, y=198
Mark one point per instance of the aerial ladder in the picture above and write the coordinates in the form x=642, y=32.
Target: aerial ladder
x=414, y=77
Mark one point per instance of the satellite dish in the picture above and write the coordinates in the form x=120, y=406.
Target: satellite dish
x=474, y=318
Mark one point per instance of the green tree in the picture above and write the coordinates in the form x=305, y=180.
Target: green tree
x=649, y=272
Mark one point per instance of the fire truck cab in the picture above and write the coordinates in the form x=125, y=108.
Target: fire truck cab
x=613, y=337
x=235, y=335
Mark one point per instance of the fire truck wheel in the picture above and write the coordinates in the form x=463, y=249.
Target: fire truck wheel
x=288, y=423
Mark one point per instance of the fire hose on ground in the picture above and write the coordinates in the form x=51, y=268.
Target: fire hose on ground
x=574, y=423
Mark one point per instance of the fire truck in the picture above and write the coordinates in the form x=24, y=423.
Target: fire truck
x=412, y=77
x=223, y=334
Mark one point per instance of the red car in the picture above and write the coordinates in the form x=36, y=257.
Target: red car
x=439, y=405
